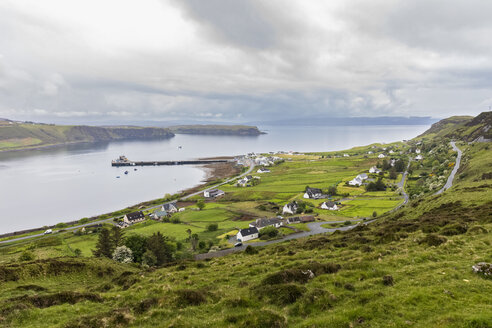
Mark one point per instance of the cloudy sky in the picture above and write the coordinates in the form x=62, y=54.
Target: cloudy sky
x=244, y=60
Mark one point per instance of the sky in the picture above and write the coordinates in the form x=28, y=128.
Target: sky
x=243, y=60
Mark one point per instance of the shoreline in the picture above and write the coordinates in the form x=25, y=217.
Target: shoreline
x=213, y=172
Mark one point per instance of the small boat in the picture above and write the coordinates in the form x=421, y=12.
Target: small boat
x=126, y=172
x=118, y=177
x=134, y=169
x=179, y=147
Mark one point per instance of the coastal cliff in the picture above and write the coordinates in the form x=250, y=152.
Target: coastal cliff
x=237, y=130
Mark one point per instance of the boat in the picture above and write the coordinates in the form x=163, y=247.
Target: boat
x=126, y=172
x=118, y=177
x=134, y=169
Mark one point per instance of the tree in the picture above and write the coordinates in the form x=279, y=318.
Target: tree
x=392, y=173
x=200, y=204
x=161, y=247
x=376, y=186
x=104, y=246
x=123, y=254
x=332, y=190
x=386, y=165
x=270, y=231
x=116, y=236
x=194, y=241
x=149, y=258
x=374, y=214
x=399, y=166
x=138, y=245
x=212, y=227
x=77, y=252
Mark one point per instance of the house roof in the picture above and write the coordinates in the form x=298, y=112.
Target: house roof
x=292, y=205
x=330, y=203
x=260, y=223
x=135, y=216
x=307, y=218
x=248, y=231
x=170, y=206
x=160, y=213
x=313, y=191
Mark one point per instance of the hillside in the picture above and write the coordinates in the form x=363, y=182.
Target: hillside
x=466, y=128
x=240, y=130
x=27, y=135
x=409, y=268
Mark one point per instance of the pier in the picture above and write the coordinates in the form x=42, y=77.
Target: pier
x=123, y=161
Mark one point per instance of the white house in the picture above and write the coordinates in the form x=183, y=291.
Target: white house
x=290, y=208
x=313, y=193
x=346, y=155
x=134, y=217
x=418, y=157
x=391, y=152
x=247, y=234
x=170, y=208
x=263, y=170
x=370, y=152
x=417, y=151
x=329, y=205
x=381, y=156
x=212, y=193
x=374, y=169
x=355, y=181
x=263, y=223
x=362, y=176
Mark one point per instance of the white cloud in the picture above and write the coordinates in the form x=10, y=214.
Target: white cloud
x=245, y=59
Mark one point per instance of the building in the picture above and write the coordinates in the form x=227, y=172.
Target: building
x=374, y=169
x=159, y=215
x=381, y=156
x=134, y=217
x=247, y=234
x=308, y=218
x=313, y=193
x=329, y=205
x=290, y=208
x=293, y=219
x=263, y=223
x=263, y=170
x=418, y=157
x=355, y=181
x=170, y=208
x=212, y=193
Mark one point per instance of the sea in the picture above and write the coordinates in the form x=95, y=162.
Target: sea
x=47, y=186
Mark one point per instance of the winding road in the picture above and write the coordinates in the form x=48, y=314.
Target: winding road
x=449, y=183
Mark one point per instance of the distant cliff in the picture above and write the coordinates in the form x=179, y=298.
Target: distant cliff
x=236, y=130
x=466, y=128
x=15, y=135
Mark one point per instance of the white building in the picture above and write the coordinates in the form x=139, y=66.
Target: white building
x=329, y=205
x=212, y=193
x=418, y=157
x=381, y=156
x=374, y=169
x=247, y=234
x=290, y=208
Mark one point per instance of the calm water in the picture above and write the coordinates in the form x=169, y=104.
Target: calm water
x=44, y=187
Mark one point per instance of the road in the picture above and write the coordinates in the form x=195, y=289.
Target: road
x=315, y=228
x=401, y=185
x=251, y=165
x=449, y=183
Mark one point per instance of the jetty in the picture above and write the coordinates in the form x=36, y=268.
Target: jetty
x=123, y=161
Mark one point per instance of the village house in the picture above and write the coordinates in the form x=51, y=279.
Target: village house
x=329, y=205
x=358, y=180
x=313, y=193
x=308, y=218
x=290, y=208
x=293, y=219
x=212, y=193
x=375, y=170
x=418, y=157
x=247, y=234
x=159, y=215
x=134, y=217
x=417, y=151
x=170, y=208
x=381, y=156
x=263, y=170
x=263, y=223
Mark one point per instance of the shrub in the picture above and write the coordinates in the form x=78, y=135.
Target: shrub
x=270, y=232
x=433, y=240
x=145, y=304
x=190, y=297
x=476, y=230
x=26, y=256
x=212, y=227
x=282, y=294
x=77, y=252
x=454, y=229
x=388, y=280
x=175, y=220
x=123, y=254
x=251, y=250
x=258, y=318
x=374, y=214
x=347, y=223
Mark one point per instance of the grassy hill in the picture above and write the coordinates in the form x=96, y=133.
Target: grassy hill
x=409, y=268
x=466, y=128
x=241, y=130
x=27, y=135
